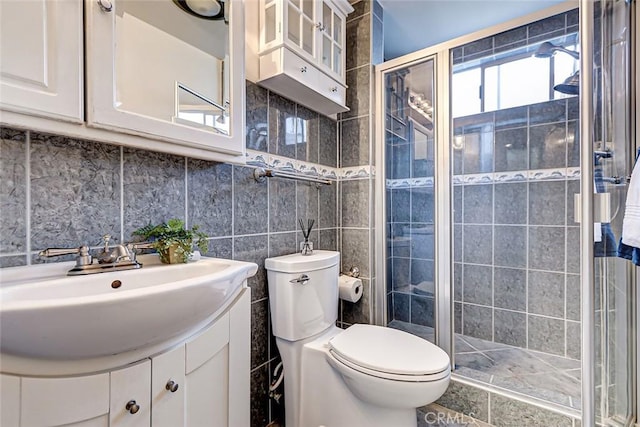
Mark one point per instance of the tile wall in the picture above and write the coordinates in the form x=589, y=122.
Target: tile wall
x=516, y=250
x=62, y=192
x=516, y=270
x=364, y=47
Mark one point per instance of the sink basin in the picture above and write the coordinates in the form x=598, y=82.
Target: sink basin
x=45, y=314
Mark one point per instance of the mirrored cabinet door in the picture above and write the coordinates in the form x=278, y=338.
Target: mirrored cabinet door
x=165, y=71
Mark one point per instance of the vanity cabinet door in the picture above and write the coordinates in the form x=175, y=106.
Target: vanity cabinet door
x=168, y=388
x=130, y=403
x=207, y=377
x=157, y=71
x=41, y=58
x=73, y=401
x=9, y=400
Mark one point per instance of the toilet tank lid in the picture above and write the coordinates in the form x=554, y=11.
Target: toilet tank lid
x=298, y=263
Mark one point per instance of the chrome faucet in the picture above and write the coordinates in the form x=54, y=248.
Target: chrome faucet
x=116, y=258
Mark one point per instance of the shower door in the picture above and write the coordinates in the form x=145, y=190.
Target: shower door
x=611, y=159
x=409, y=182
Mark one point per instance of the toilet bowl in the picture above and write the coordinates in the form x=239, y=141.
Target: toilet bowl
x=362, y=376
x=388, y=367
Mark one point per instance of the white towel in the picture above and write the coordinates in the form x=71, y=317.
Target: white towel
x=631, y=222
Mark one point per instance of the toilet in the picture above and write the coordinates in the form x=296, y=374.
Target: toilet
x=362, y=376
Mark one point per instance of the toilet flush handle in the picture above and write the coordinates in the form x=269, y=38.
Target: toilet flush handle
x=302, y=280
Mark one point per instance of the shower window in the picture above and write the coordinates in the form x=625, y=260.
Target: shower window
x=511, y=79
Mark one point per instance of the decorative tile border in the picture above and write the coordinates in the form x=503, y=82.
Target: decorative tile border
x=489, y=178
x=355, y=172
x=286, y=164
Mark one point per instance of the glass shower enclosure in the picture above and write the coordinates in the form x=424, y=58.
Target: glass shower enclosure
x=482, y=176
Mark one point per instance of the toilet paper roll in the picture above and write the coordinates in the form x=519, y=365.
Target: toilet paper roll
x=349, y=288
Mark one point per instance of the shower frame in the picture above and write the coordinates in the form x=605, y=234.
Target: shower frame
x=443, y=224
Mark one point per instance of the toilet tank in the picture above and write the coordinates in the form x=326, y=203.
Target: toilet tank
x=303, y=293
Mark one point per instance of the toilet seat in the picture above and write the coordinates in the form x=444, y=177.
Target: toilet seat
x=389, y=353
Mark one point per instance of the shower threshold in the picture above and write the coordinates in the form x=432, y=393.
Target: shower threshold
x=540, y=375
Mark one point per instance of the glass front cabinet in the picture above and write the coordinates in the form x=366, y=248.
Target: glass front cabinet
x=301, y=49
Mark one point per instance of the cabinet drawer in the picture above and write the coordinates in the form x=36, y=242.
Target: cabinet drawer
x=281, y=72
x=59, y=401
x=300, y=69
x=330, y=89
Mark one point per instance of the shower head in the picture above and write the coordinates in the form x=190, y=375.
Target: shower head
x=571, y=86
x=547, y=49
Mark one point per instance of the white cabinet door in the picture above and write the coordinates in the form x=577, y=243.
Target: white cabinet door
x=207, y=377
x=240, y=361
x=156, y=71
x=77, y=401
x=301, y=24
x=130, y=402
x=41, y=58
x=332, y=38
x=168, y=388
x=9, y=400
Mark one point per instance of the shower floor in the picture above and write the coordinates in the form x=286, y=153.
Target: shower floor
x=543, y=376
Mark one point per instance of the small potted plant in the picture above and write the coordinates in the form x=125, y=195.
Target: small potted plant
x=173, y=241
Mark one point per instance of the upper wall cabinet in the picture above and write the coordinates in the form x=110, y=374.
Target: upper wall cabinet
x=41, y=63
x=301, y=50
x=161, y=70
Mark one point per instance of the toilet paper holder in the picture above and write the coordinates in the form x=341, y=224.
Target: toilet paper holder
x=353, y=272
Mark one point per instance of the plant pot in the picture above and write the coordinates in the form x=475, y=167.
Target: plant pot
x=172, y=255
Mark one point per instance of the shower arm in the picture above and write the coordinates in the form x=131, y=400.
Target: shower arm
x=572, y=53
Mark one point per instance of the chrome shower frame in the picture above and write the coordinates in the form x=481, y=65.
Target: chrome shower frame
x=444, y=324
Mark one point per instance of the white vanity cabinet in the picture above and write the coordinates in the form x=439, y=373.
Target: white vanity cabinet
x=203, y=381
x=41, y=58
x=302, y=49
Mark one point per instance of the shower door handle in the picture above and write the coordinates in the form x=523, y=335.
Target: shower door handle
x=601, y=207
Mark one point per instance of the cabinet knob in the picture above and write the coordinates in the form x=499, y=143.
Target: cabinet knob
x=105, y=5
x=132, y=407
x=172, y=386
x=320, y=26
x=334, y=89
x=303, y=69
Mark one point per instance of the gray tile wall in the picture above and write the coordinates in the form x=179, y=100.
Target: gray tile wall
x=58, y=192
x=356, y=148
x=516, y=269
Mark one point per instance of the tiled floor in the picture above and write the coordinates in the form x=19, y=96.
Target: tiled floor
x=544, y=376
x=439, y=416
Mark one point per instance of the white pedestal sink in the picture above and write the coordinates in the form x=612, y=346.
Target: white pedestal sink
x=45, y=314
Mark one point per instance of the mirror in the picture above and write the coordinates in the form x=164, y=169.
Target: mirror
x=173, y=65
